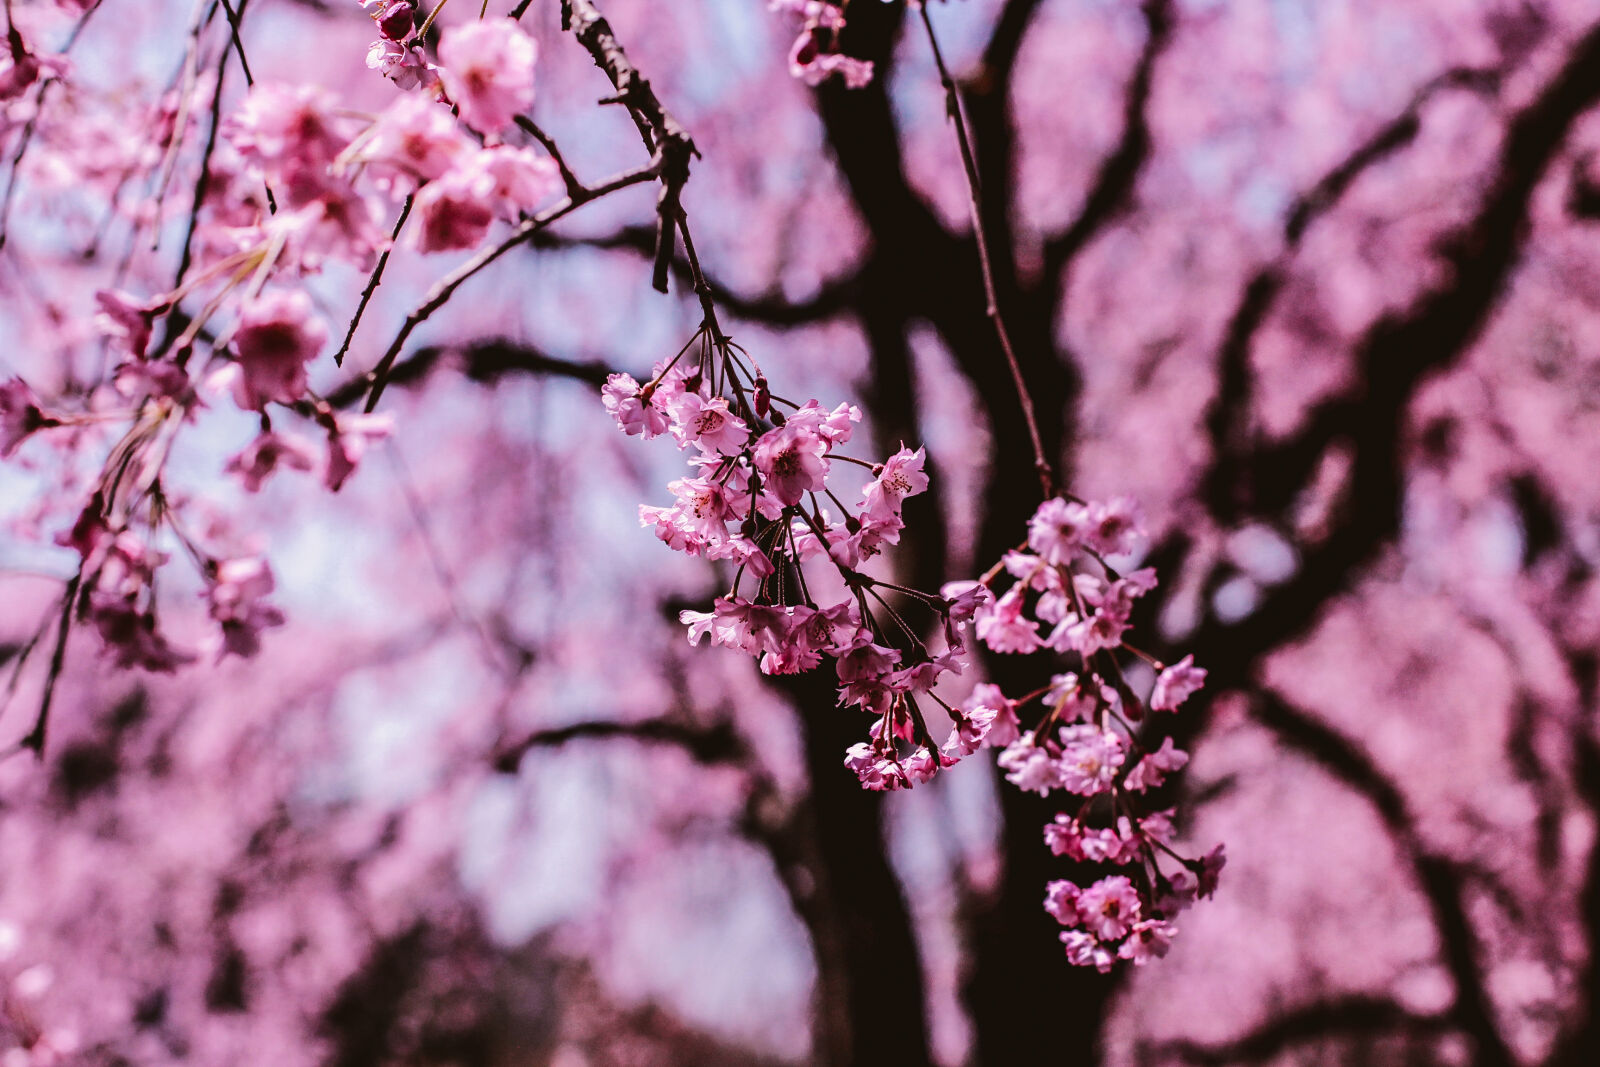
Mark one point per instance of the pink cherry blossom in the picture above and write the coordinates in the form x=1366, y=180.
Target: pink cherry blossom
x=348, y=441
x=1058, y=529
x=1148, y=939
x=20, y=416
x=236, y=604
x=452, y=217
x=1061, y=901
x=900, y=477
x=1114, y=528
x=1084, y=949
x=1153, y=769
x=278, y=334
x=790, y=461
x=708, y=424
x=487, y=70
x=414, y=140
x=1176, y=684
x=1002, y=626
x=635, y=411
x=266, y=454
x=1030, y=767
x=1109, y=907
x=1089, y=759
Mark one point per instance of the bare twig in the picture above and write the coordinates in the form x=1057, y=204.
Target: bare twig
x=374, y=280
x=975, y=206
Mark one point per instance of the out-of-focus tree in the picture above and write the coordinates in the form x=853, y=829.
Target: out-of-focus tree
x=1313, y=282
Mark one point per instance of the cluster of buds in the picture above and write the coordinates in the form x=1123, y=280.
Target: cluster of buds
x=397, y=53
x=815, y=55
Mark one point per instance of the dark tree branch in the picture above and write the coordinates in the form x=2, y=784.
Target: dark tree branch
x=1438, y=877
x=1392, y=359
x=663, y=135
x=1227, y=487
x=836, y=297
x=1349, y=1016
x=987, y=95
x=717, y=743
x=485, y=361
x=1112, y=190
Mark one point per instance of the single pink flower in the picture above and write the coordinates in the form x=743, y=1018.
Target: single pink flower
x=452, y=216
x=278, y=334
x=1149, y=939
x=266, y=454
x=790, y=461
x=414, y=140
x=900, y=477
x=348, y=442
x=487, y=69
x=1061, y=901
x=1110, y=907
x=236, y=603
x=20, y=416
x=1176, y=684
x=1003, y=628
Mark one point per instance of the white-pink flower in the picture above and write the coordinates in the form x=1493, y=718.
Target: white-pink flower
x=1176, y=684
x=266, y=454
x=1003, y=628
x=1089, y=759
x=1057, y=530
x=1110, y=907
x=414, y=140
x=452, y=216
x=708, y=424
x=790, y=461
x=237, y=603
x=348, y=442
x=901, y=476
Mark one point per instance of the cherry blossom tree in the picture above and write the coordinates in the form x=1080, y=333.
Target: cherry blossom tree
x=1190, y=402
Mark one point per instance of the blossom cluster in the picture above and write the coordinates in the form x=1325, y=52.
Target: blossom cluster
x=760, y=469
x=1066, y=597
x=297, y=181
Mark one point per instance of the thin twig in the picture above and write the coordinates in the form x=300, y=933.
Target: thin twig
x=446, y=286
x=58, y=659
x=373, y=281
x=975, y=207
x=234, y=18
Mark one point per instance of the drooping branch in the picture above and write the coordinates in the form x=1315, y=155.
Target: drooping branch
x=715, y=743
x=663, y=135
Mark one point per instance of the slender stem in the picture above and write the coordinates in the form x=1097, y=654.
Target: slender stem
x=35, y=738
x=446, y=287
x=373, y=280
x=975, y=207
x=238, y=45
